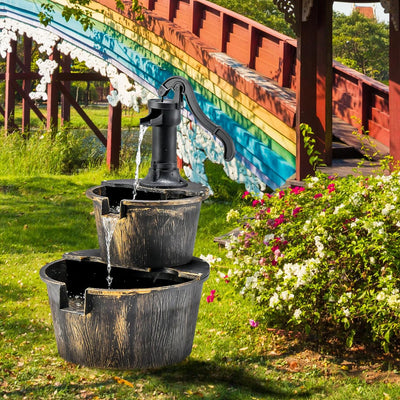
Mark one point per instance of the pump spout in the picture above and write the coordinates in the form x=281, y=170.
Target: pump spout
x=164, y=117
x=181, y=87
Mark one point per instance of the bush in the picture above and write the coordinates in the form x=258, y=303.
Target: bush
x=41, y=152
x=324, y=258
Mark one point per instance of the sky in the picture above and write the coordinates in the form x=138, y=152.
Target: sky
x=346, y=8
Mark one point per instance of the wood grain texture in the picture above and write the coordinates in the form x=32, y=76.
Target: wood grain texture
x=127, y=328
x=150, y=233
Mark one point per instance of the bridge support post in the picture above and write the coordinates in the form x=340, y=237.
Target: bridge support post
x=394, y=92
x=65, y=104
x=26, y=84
x=314, y=82
x=53, y=94
x=10, y=79
x=114, y=135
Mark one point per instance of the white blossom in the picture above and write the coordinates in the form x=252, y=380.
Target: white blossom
x=297, y=313
x=274, y=300
x=346, y=312
x=386, y=210
x=210, y=258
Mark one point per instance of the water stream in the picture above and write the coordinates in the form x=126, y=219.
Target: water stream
x=109, y=224
x=142, y=131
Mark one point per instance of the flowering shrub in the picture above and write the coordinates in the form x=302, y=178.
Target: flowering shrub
x=324, y=258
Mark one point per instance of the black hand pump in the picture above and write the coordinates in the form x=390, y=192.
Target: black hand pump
x=164, y=117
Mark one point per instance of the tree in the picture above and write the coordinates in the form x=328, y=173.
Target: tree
x=362, y=44
x=81, y=14
x=263, y=11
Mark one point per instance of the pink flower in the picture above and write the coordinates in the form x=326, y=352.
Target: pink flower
x=255, y=202
x=277, y=254
x=331, y=188
x=262, y=261
x=279, y=220
x=281, y=194
x=211, y=297
x=253, y=323
x=297, y=189
x=318, y=195
x=245, y=194
x=226, y=279
x=296, y=211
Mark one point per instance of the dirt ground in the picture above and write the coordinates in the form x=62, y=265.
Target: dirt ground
x=294, y=354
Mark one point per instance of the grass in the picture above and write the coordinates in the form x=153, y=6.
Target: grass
x=43, y=215
x=96, y=113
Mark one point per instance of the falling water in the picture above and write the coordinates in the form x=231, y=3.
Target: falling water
x=109, y=224
x=142, y=131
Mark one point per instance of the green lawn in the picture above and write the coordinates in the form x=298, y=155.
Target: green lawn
x=42, y=217
x=98, y=113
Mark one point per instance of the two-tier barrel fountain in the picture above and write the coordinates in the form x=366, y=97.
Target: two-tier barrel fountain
x=133, y=303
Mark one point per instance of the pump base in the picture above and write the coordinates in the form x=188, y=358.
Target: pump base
x=163, y=178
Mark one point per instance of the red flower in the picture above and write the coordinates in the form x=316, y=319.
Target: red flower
x=278, y=221
x=331, y=188
x=245, y=194
x=296, y=211
x=211, y=297
x=318, y=195
x=274, y=248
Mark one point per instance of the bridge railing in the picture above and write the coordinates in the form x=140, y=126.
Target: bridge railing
x=357, y=99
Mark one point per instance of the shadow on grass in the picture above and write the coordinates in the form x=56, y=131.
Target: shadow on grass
x=233, y=381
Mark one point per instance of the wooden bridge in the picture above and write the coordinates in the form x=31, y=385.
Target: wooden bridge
x=244, y=75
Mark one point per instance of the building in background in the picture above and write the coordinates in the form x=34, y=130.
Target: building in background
x=368, y=12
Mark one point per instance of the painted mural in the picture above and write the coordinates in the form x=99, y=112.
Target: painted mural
x=137, y=60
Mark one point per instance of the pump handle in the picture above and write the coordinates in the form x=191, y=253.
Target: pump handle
x=181, y=87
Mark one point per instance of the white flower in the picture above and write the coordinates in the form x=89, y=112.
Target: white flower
x=377, y=224
x=388, y=207
x=278, y=273
x=297, y=313
x=274, y=300
x=210, y=258
x=380, y=296
x=269, y=237
x=251, y=282
x=286, y=295
x=338, y=208
x=346, y=312
x=393, y=301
